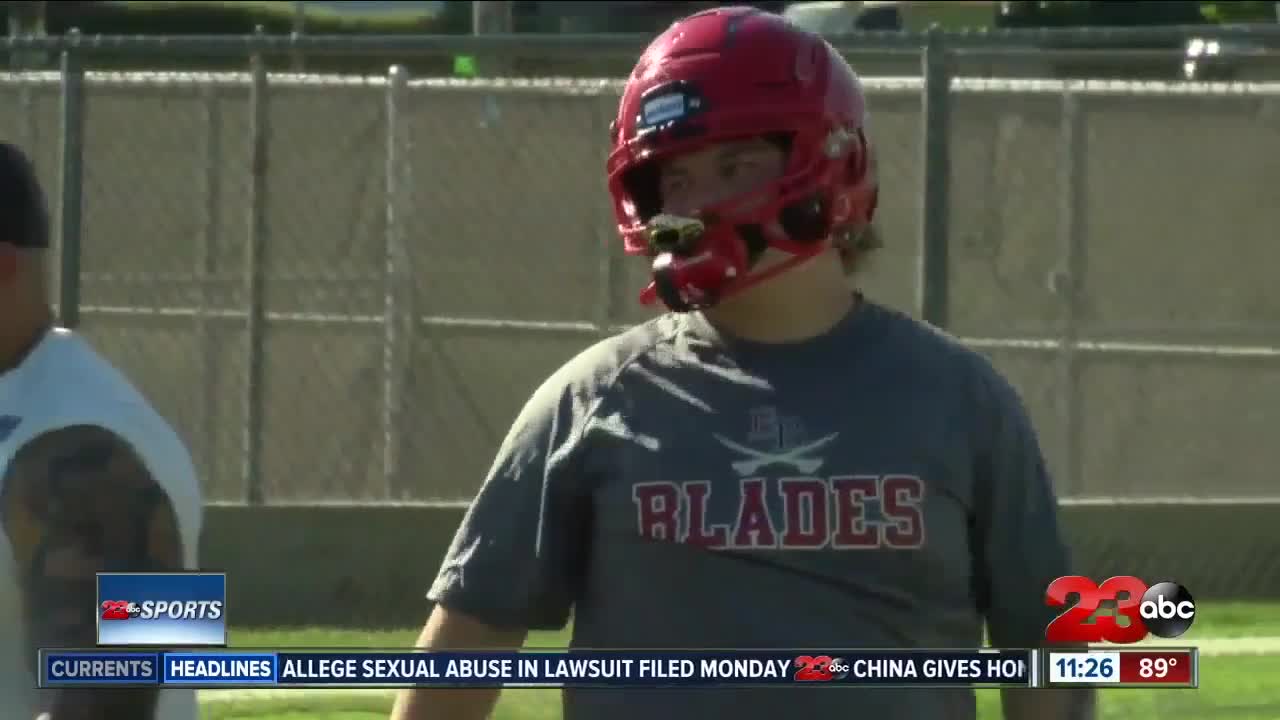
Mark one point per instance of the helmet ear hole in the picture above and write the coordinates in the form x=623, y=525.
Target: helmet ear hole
x=806, y=221
x=641, y=183
x=754, y=239
x=782, y=141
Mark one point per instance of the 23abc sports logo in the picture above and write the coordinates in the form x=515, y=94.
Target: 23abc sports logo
x=1165, y=609
x=161, y=610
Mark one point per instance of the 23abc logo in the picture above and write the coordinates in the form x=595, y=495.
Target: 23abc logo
x=1165, y=609
x=821, y=668
x=120, y=610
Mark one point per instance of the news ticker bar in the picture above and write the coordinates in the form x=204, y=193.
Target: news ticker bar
x=228, y=669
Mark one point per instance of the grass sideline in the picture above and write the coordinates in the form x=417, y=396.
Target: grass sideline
x=1232, y=687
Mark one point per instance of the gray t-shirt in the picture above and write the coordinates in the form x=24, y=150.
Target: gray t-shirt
x=880, y=486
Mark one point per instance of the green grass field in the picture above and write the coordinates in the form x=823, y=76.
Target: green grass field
x=1238, y=684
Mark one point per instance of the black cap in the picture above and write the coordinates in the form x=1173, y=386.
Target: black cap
x=24, y=211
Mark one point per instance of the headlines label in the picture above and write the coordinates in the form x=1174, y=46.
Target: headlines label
x=388, y=669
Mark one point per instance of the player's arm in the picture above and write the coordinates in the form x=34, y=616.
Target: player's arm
x=78, y=501
x=1020, y=548
x=448, y=630
x=518, y=556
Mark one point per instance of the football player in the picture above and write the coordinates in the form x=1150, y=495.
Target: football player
x=92, y=480
x=775, y=462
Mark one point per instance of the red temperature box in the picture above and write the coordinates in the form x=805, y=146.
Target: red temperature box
x=1169, y=668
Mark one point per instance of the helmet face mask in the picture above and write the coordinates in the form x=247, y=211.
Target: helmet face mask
x=722, y=78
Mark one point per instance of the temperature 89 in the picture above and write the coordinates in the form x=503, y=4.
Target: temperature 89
x=1157, y=668
x=1161, y=667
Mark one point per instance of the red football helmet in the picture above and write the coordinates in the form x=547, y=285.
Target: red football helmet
x=728, y=74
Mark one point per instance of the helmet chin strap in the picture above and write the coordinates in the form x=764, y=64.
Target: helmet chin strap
x=666, y=287
x=671, y=279
x=687, y=284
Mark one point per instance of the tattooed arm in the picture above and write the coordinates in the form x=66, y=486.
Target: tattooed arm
x=78, y=501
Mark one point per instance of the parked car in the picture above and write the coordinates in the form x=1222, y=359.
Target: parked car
x=838, y=18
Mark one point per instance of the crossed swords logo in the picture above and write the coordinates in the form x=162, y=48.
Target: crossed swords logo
x=793, y=457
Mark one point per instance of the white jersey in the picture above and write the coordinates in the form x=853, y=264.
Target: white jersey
x=64, y=382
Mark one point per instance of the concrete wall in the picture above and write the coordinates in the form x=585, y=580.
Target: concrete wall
x=370, y=567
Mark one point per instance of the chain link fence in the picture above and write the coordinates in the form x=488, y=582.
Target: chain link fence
x=342, y=289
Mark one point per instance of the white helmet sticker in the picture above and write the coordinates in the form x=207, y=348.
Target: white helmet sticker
x=663, y=108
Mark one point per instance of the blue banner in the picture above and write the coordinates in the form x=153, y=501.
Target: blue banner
x=576, y=668
x=98, y=668
x=162, y=609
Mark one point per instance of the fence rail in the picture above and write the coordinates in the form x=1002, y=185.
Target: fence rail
x=342, y=287
x=626, y=44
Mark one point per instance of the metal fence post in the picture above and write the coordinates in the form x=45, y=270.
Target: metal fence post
x=932, y=292
x=298, y=58
x=1067, y=283
x=71, y=187
x=608, y=265
x=255, y=317
x=398, y=321
x=206, y=274
x=493, y=17
x=29, y=126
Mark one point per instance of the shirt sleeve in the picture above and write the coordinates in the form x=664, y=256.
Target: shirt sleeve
x=1019, y=541
x=517, y=558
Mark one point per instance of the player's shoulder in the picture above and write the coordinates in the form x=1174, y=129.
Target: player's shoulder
x=67, y=374
x=597, y=367
x=71, y=385
x=940, y=354
x=580, y=384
